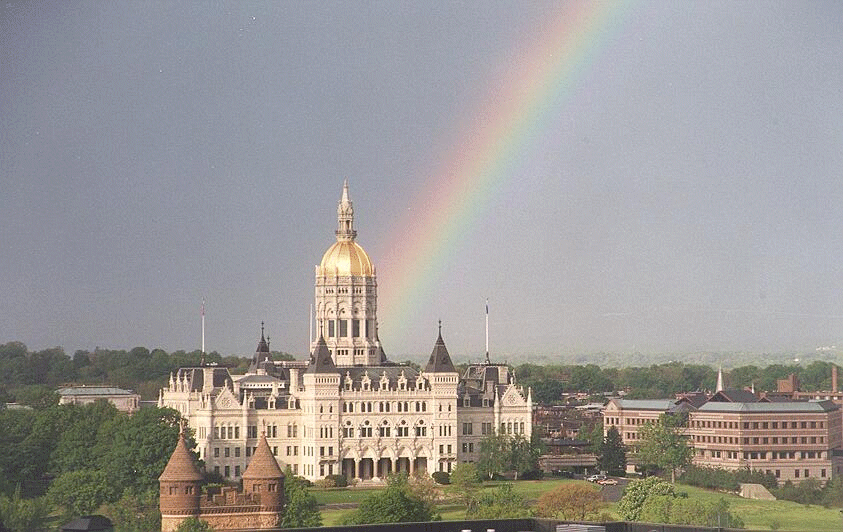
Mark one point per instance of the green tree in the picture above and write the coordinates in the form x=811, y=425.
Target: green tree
x=611, y=453
x=494, y=455
x=501, y=453
x=135, y=513
x=16, y=461
x=571, y=502
x=23, y=515
x=664, y=445
x=833, y=492
x=194, y=524
x=465, y=483
x=77, y=445
x=38, y=396
x=546, y=391
x=499, y=503
x=522, y=455
x=80, y=492
x=593, y=434
x=142, y=445
x=396, y=504
x=637, y=492
x=302, y=510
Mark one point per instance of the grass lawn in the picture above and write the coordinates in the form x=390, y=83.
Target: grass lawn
x=757, y=515
x=762, y=515
x=334, y=517
x=342, y=495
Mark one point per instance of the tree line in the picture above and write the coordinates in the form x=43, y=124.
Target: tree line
x=25, y=376
x=65, y=461
x=550, y=382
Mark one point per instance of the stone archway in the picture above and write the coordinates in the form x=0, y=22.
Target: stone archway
x=420, y=465
x=383, y=467
x=349, y=471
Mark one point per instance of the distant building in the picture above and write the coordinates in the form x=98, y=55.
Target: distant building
x=348, y=410
x=792, y=440
x=734, y=429
x=628, y=416
x=124, y=400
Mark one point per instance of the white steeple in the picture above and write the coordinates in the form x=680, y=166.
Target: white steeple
x=345, y=216
x=719, y=380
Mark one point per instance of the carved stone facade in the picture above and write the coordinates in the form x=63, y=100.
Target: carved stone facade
x=348, y=410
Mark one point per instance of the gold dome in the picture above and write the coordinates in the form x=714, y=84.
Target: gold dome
x=345, y=258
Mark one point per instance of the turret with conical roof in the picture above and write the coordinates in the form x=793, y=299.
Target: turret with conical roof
x=320, y=360
x=263, y=478
x=440, y=359
x=261, y=353
x=180, y=485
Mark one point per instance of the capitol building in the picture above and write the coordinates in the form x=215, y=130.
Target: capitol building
x=347, y=409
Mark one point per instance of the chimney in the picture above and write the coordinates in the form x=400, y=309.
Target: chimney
x=294, y=380
x=834, y=378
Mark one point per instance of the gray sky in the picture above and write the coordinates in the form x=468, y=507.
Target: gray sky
x=686, y=194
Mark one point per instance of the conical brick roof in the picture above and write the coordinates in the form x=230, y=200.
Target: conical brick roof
x=181, y=466
x=263, y=464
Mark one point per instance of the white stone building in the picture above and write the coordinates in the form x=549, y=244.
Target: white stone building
x=348, y=409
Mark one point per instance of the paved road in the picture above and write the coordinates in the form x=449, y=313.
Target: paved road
x=613, y=493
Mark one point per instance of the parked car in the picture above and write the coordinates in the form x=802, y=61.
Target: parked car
x=608, y=482
x=596, y=478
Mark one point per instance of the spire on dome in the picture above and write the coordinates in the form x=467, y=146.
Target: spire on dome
x=345, y=217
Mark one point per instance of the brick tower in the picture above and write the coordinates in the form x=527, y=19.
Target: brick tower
x=180, y=488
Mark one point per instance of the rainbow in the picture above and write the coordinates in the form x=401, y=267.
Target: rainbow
x=518, y=104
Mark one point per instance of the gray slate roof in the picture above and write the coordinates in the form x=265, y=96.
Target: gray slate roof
x=440, y=359
x=795, y=406
x=662, y=405
x=94, y=390
x=321, y=361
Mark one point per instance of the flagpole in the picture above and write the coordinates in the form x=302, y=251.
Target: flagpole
x=203, y=326
x=487, y=330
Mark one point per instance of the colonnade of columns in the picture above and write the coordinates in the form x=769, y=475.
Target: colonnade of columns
x=368, y=468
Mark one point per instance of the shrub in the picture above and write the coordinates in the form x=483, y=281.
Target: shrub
x=535, y=474
x=325, y=483
x=442, y=477
x=340, y=481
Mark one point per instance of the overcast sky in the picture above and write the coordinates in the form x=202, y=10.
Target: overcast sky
x=686, y=194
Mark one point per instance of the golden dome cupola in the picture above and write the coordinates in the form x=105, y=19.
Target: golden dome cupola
x=346, y=295
x=345, y=257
